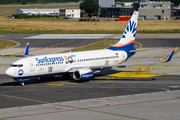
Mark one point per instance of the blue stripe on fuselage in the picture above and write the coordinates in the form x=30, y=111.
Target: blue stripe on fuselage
x=130, y=46
x=126, y=48
x=43, y=75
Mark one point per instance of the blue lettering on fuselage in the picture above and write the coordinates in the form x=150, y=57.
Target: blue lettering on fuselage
x=68, y=59
x=51, y=59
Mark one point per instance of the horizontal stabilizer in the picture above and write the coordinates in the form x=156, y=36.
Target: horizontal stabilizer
x=139, y=50
x=144, y=49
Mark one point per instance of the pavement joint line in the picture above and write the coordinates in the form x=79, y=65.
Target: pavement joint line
x=126, y=116
x=132, y=90
x=108, y=87
x=147, y=66
x=75, y=108
x=62, y=43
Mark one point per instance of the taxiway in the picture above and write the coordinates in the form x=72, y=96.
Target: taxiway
x=137, y=92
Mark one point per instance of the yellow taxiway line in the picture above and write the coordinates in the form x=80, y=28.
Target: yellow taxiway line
x=137, y=74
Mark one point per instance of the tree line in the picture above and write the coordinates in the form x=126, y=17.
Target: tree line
x=176, y=2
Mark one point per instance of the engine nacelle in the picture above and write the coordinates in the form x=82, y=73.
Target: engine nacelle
x=83, y=74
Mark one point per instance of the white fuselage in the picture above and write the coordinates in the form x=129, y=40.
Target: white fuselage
x=41, y=65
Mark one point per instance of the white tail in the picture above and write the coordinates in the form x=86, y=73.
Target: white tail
x=128, y=37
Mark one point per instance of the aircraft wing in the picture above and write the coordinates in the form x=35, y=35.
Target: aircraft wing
x=26, y=52
x=121, y=65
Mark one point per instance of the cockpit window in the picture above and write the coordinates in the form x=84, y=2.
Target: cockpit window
x=16, y=65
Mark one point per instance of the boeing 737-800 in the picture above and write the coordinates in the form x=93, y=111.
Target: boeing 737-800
x=80, y=64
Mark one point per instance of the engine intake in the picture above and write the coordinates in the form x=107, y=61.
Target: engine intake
x=83, y=74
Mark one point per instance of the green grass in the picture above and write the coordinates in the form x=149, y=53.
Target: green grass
x=45, y=19
x=159, y=31
x=6, y=43
x=29, y=31
x=94, y=46
x=58, y=26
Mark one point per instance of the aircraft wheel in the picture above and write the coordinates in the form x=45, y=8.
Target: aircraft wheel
x=22, y=83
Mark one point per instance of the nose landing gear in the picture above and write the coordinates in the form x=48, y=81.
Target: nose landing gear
x=21, y=82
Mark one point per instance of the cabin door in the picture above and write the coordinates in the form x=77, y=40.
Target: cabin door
x=107, y=62
x=32, y=65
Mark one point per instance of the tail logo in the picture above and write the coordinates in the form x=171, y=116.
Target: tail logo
x=131, y=28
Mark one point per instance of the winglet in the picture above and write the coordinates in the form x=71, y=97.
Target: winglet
x=170, y=55
x=26, y=53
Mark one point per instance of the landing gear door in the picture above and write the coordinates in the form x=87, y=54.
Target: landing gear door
x=32, y=65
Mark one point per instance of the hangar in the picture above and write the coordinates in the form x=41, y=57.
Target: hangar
x=62, y=13
x=156, y=10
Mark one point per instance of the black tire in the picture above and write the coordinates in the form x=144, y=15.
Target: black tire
x=22, y=83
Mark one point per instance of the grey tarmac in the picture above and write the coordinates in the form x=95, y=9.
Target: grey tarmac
x=119, y=93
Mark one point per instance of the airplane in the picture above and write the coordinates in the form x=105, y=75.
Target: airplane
x=81, y=65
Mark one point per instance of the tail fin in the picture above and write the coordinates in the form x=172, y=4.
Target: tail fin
x=128, y=38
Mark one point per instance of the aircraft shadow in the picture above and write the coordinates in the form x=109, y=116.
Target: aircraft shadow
x=102, y=75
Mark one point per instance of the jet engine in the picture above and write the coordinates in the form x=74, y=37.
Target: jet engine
x=83, y=74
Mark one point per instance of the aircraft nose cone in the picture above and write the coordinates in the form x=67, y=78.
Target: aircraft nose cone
x=9, y=72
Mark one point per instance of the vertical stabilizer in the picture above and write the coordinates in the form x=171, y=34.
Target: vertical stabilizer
x=128, y=38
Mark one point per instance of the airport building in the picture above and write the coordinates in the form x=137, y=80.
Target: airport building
x=176, y=12
x=112, y=9
x=153, y=10
x=148, y=10
x=119, y=9
x=62, y=13
x=115, y=12
x=105, y=3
